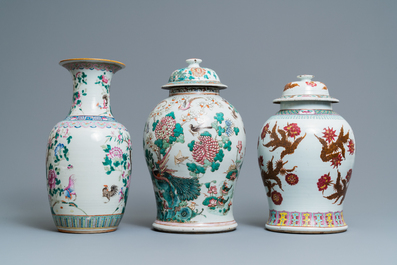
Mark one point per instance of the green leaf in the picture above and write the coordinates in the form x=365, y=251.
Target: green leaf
x=171, y=114
x=68, y=139
x=219, y=117
x=214, y=166
x=107, y=162
x=219, y=156
x=206, y=133
x=208, y=185
x=236, y=130
x=191, y=145
x=116, y=164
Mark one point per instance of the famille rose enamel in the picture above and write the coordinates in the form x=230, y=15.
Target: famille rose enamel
x=306, y=155
x=194, y=144
x=88, y=161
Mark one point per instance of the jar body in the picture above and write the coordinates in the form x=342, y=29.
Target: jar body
x=88, y=162
x=194, y=143
x=306, y=156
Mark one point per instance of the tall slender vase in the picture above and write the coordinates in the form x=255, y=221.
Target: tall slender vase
x=88, y=162
x=194, y=144
x=306, y=155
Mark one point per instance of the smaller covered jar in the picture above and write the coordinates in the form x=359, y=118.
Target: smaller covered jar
x=194, y=144
x=306, y=155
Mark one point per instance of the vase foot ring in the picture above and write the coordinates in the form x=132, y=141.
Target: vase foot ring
x=86, y=230
x=194, y=227
x=306, y=230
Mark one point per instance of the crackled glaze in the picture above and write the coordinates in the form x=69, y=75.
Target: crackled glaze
x=194, y=143
x=306, y=155
x=89, y=155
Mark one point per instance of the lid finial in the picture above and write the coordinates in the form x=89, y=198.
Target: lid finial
x=305, y=77
x=194, y=62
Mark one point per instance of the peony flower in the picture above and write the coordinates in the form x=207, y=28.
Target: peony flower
x=206, y=148
x=265, y=131
x=351, y=146
x=120, y=137
x=292, y=130
x=276, y=197
x=329, y=134
x=336, y=161
x=52, y=176
x=212, y=190
x=212, y=203
x=115, y=152
x=349, y=175
x=239, y=146
x=165, y=128
x=105, y=79
x=198, y=72
x=324, y=182
x=291, y=179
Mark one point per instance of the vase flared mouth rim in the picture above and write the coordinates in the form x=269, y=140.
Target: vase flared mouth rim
x=91, y=60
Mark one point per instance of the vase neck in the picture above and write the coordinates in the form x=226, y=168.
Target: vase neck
x=194, y=90
x=91, y=92
x=306, y=105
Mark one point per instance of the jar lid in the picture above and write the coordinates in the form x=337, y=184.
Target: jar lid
x=305, y=89
x=194, y=75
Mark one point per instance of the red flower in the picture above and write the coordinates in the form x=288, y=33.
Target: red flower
x=311, y=83
x=329, y=134
x=277, y=198
x=52, y=176
x=207, y=148
x=336, y=161
x=324, y=182
x=292, y=129
x=260, y=161
x=349, y=175
x=351, y=147
x=264, y=131
x=198, y=72
x=165, y=128
x=291, y=179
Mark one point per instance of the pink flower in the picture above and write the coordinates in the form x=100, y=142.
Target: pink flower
x=292, y=130
x=105, y=79
x=128, y=182
x=115, y=152
x=105, y=104
x=78, y=74
x=165, y=128
x=292, y=179
x=239, y=146
x=129, y=142
x=128, y=165
x=212, y=203
x=212, y=190
x=120, y=137
x=207, y=148
x=52, y=176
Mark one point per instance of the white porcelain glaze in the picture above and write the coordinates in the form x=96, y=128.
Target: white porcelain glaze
x=306, y=155
x=88, y=160
x=194, y=144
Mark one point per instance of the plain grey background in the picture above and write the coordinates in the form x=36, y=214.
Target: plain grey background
x=256, y=47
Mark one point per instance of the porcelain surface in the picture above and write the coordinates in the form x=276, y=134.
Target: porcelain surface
x=88, y=160
x=306, y=155
x=194, y=143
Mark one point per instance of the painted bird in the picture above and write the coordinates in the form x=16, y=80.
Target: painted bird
x=107, y=194
x=69, y=190
x=186, y=103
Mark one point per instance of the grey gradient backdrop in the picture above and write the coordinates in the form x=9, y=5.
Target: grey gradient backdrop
x=256, y=47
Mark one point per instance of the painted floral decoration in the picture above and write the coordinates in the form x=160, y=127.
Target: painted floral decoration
x=265, y=130
x=165, y=128
x=198, y=72
x=336, y=161
x=324, y=182
x=291, y=179
x=52, y=176
x=277, y=198
x=115, y=152
x=311, y=83
x=205, y=149
x=329, y=134
x=212, y=190
x=292, y=130
x=351, y=147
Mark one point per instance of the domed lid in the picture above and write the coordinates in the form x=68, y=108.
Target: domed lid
x=305, y=89
x=194, y=75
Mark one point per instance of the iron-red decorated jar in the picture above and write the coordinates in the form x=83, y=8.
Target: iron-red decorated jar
x=306, y=155
x=88, y=161
x=194, y=144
